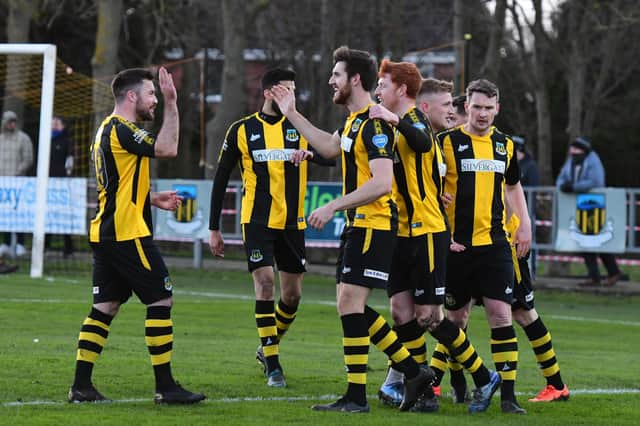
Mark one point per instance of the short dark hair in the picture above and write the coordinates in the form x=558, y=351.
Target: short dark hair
x=358, y=62
x=432, y=85
x=129, y=79
x=458, y=104
x=275, y=76
x=485, y=87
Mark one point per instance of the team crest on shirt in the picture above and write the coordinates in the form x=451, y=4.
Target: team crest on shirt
x=168, y=284
x=256, y=256
x=449, y=299
x=356, y=124
x=500, y=149
x=292, y=135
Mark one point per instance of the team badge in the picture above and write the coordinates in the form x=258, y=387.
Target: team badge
x=419, y=125
x=590, y=226
x=292, y=135
x=356, y=124
x=380, y=140
x=168, y=284
x=256, y=256
x=500, y=149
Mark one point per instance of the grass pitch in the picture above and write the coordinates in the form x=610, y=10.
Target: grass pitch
x=595, y=338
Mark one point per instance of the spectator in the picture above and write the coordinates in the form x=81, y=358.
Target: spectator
x=582, y=172
x=60, y=165
x=459, y=113
x=16, y=158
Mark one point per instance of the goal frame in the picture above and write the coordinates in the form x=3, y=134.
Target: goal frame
x=48, y=52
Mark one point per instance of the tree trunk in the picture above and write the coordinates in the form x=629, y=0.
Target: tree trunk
x=234, y=97
x=492, y=60
x=18, y=24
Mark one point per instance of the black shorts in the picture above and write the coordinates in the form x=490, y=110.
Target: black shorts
x=264, y=245
x=522, y=287
x=419, y=265
x=365, y=257
x=477, y=272
x=123, y=267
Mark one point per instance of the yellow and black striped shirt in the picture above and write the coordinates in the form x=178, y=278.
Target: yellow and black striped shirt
x=120, y=155
x=273, y=188
x=363, y=139
x=418, y=171
x=477, y=169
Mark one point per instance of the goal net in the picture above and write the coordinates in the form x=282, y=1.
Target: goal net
x=43, y=219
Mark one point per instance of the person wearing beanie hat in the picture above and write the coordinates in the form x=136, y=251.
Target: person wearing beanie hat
x=581, y=172
x=16, y=159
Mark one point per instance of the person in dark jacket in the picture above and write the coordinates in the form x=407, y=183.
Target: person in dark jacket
x=582, y=172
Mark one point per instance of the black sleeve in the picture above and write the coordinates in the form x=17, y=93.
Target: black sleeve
x=227, y=160
x=320, y=160
x=378, y=139
x=512, y=174
x=136, y=140
x=415, y=135
x=218, y=191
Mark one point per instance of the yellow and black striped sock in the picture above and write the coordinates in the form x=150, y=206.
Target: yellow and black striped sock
x=540, y=340
x=411, y=335
x=356, y=356
x=91, y=341
x=465, y=354
x=268, y=332
x=285, y=315
x=158, y=334
x=504, y=349
x=387, y=341
x=438, y=362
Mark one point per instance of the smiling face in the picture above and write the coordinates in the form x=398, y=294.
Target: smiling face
x=387, y=92
x=146, y=101
x=439, y=108
x=482, y=111
x=340, y=83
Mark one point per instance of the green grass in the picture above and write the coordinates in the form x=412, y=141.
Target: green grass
x=595, y=338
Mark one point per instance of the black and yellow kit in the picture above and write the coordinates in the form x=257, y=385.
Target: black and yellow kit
x=120, y=154
x=522, y=284
x=418, y=171
x=477, y=169
x=362, y=140
x=273, y=187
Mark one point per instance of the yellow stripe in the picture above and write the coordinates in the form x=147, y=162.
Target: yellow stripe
x=270, y=350
x=355, y=341
x=440, y=365
x=545, y=356
x=357, y=378
x=91, y=321
x=443, y=349
x=143, y=257
x=86, y=355
x=400, y=355
x=414, y=344
x=476, y=364
x=268, y=331
x=516, y=265
x=377, y=325
x=501, y=342
x=430, y=252
x=420, y=359
x=362, y=359
x=456, y=343
x=550, y=371
x=387, y=341
x=92, y=337
x=454, y=365
x=464, y=356
x=541, y=341
x=368, y=234
x=265, y=315
x=161, y=359
x=158, y=323
x=158, y=340
x=596, y=221
x=508, y=375
x=505, y=356
x=284, y=314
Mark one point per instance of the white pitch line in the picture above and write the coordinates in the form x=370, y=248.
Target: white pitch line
x=293, y=398
x=231, y=296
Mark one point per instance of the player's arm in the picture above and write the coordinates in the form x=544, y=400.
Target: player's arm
x=414, y=133
x=517, y=204
x=326, y=144
x=166, y=145
x=228, y=158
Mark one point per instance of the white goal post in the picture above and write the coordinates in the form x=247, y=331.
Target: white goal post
x=48, y=52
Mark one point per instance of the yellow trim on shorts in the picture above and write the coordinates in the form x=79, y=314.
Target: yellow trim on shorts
x=430, y=252
x=368, y=235
x=143, y=257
